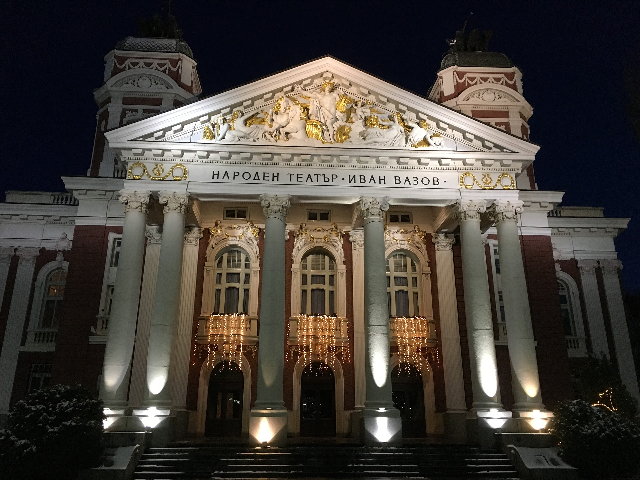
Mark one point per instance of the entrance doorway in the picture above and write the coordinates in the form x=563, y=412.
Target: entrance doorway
x=317, y=401
x=408, y=397
x=224, y=401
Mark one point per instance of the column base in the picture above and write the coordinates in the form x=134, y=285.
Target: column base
x=268, y=427
x=381, y=426
x=455, y=425
x=482, y=426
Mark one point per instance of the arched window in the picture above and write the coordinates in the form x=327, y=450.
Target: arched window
x=53, y=294
x=318, y=284
x=402, y=285
x=566, y=305
x=232, y=282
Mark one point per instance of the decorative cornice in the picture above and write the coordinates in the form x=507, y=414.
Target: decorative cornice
x=406, y=238
x=192, y=236
x=505, y=210
x=373, y=208
x=319, y=236
x=174, y=202
x=356, y=237
x=610, y=266
x=470, y=209
x=443, y=242
x=587, y=267
x=135, y=201
x=275, y=206
x=153, y=234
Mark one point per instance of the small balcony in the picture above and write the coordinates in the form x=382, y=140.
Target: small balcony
x=576, y=346
x=41, y=340
x=415, y=340
x=228, y=334
x=319, y=337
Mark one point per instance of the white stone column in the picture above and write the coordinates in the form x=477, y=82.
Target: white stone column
x=619, y=328
x=357, y=249
x=268, y=422
x=525, y=382
x=124, y=312
x=482, y=350
x=6, y=253
x=166, y=300
x=379, y=408
x=595, y=318
x=450, y=337
x=179, y=372
x=138, y=384
x=15, y=324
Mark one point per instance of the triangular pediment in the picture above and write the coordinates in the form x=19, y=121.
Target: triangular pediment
x=324, y=103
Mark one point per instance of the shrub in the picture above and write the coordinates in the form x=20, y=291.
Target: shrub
x=53, y=433
x=600, y=443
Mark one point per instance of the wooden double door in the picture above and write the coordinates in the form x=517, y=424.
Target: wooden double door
x=224, y=401
x=317, y=401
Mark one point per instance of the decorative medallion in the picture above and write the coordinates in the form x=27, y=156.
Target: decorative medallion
x=138, y=170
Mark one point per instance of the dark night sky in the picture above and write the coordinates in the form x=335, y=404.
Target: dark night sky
x=571, y=53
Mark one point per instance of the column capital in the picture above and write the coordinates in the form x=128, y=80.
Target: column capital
x=587, y=267
x=174, y=202
x=135, y=201
x=153, y=234
x=192, y=236
x=443, y=242
x=5, y=254
x=470, y=209
x=356, y=237
x=28, y=254
x=373, y=208
x=275, y=206
x=610, y=266
x=505, y=210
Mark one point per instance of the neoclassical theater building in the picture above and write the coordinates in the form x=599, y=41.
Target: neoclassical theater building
x=316, y=253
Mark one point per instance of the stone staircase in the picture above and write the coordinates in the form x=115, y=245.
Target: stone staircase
x=200, y=461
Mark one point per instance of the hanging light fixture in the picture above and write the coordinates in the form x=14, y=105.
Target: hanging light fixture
x=412, y=335
x=225, y=335
x=317, y=338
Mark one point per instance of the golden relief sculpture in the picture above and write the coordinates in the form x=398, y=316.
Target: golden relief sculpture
x=138, y=170
x=468, y=180
x=326, y=113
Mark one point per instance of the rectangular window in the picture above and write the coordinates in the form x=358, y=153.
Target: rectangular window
x=233, y=277
x=318, y=215
x=115, y=252
x=218, y=278
x=317, y=279
x=39, y=376
x=402, y=303
x=231, y=299
x=416, y=304
x=245, y=301
x=216, y=301
x=247, y=278
x=332, y=302
x=303, y=302
x=317, y=301
x=400, y=281
x=235, y=213
x=399, y=217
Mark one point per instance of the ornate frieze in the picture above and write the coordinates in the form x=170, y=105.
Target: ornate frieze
x=174, y=202
x=406, y=239
x=276, y=206
x=470, y=209
x=135, y=201
x=143, y=82
x=468, y=180
x=306, y=237
x=443, y=242
x=505, y=210
x=491, y=95
x=373, y=208
x=138, y=170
